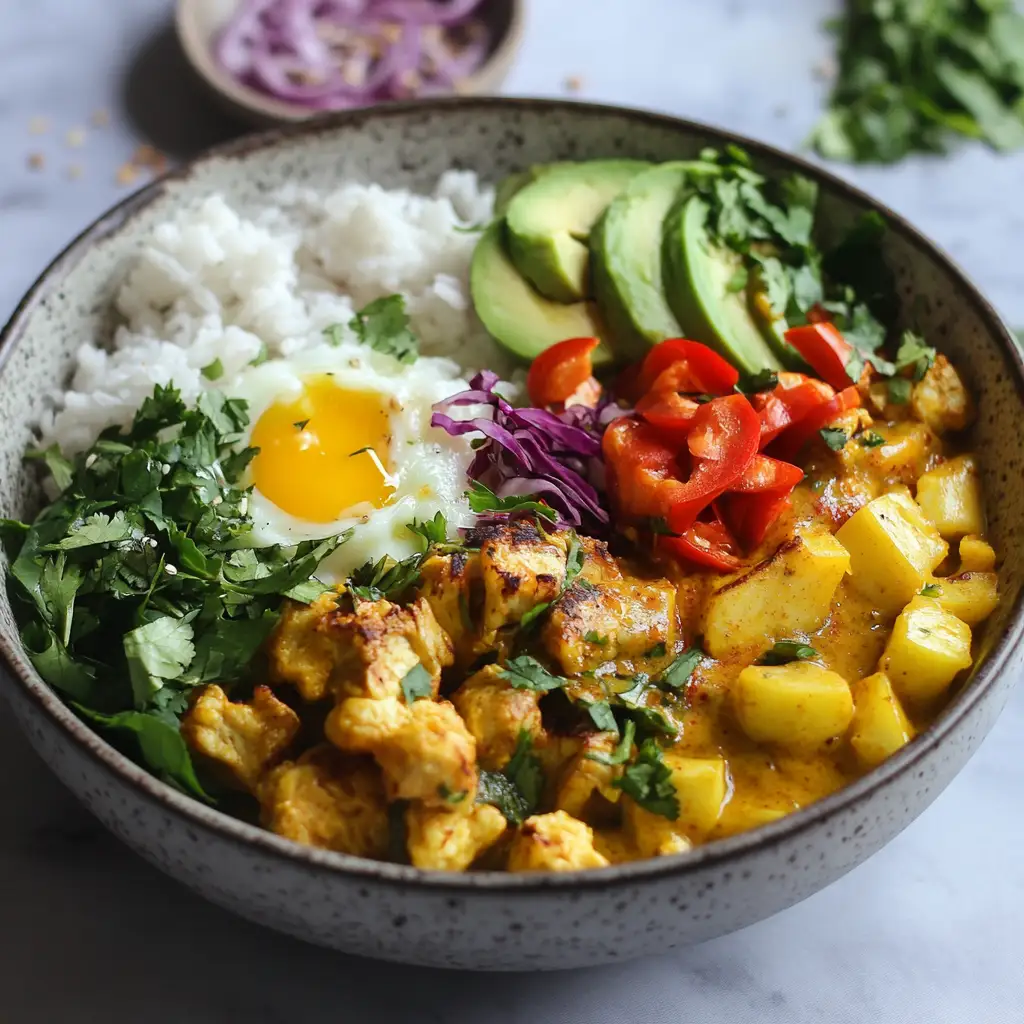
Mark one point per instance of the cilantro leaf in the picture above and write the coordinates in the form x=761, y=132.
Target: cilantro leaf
x=516, y=791
x=384, y=326
x=500, y=791
x=752, y=383
x=871, y=439
x=834, y=437
x=96, y=529
x=648, y=781
x=678, y=674
x=593, y=637
x=622, y=750
x=417, y=684
x=483, y=499
x=527, y=673
x=899, y=390
x=159, y=650
x=931, y=590
x=161, y=745
x=430, y=531
x=785, y=651
x=914, y=354
x=60, y=468
x=600, y=714
x=214, y=370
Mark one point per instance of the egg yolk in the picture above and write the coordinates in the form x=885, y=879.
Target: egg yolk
x=324, y=452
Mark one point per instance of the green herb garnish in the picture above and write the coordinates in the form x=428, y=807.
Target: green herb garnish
x=834, y=437
x=593, y=637
x=931, y=590
x=527, y=673
x=483, y=499
x=622, y=750
x=786, y=651
x=648, y=780
x=678, y=674
x=517, y=790
x=417, y=684
x=899, y=390
x=214, y=370
x=752, y=383
x=384, y=326
x=871, y=439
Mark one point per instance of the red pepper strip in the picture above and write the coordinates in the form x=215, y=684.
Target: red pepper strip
x=788, y=403
x=708, y=371
x=789, y=445
x=752, y=515
x=765, y=474
x=723, y=440
x=641, y=468
x=670, y=413
x=708, y=544
x=825, y=349
x=559, y=370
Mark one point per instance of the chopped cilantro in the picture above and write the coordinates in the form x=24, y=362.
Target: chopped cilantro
x=334, y=334
x=384, y=326
x=915, y=355
x=527, y=673
x=483, y=499
x=622, y=750
x=417, y=684
x=648, y=780
x=600, y=714
x=659, y=650
x=834, y=437
x=658, y=525
x=593, y=637
x=871, y=439
x=785, y=651
x=899, y=390
x=678, y=674
x=214, y=370
x=752, y=383
x=302, y=424
x=516, y=791
x=931, y=590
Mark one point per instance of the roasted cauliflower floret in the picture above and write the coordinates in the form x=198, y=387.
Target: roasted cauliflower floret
x=615, y=619
x=244, y=739
x=450, y=839
x=519, y=569
x=447, y=583
x=300, y=652
x=379, y=643
x=425, y=750
x=328, y=800
x=554, y=842
x=941, y=399
x=582, y=776
x=496, y=713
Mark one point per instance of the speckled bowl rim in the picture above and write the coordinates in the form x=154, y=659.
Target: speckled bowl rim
x=719, y=853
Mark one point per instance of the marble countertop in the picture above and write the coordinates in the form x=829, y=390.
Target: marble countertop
x=928, y=930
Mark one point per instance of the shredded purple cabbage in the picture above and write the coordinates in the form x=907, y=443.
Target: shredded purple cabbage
x=554, y=456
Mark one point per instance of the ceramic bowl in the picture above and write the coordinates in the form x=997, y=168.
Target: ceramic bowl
x=199, y=22
x=491, y=920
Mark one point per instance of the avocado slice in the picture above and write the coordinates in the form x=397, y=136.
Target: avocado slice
x=549, y=222
x=516, y=316
x=627, y=257
x=515, y=183
x=697, y=276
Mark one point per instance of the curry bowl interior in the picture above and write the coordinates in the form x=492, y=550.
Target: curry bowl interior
x=410, y=146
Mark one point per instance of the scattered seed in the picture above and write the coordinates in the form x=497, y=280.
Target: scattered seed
x=243, y=506
x=165, y=468
x=153, y=542
x=573, y=83
x=39, y=125
x=75, y=138
x=170, y=570
x=90, y=461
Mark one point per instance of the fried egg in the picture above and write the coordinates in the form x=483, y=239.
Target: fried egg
x=345, y=442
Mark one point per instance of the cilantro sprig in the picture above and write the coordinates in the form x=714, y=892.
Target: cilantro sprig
x=516, y=791
x=142, y=581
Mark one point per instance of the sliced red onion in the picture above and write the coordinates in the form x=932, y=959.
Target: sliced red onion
x=283, y=48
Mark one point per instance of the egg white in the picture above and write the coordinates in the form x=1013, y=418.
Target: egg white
x=429, y=467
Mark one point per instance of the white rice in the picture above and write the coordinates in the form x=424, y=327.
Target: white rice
x=217, y=283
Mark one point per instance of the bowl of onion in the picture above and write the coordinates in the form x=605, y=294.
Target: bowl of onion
x=274, y=61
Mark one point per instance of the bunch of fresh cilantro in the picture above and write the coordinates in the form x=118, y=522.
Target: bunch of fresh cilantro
x=914, y=72
x=141, y=581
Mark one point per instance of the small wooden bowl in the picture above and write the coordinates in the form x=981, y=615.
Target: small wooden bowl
x=199, y=21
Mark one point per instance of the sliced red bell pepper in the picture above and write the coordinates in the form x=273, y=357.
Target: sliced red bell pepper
x=765, y=474
x=787, y=403
x=646, y=473
x=788, y=446
x=710, y=544
x=825, y=349
x=708, y=371
x=671, y=413
x=751, y=515
x=559, y=370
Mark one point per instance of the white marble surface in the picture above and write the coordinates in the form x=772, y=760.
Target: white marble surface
x=929, y=930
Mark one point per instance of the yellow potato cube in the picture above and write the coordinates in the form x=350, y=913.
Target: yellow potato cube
x=893, y=550
x=880, y=725
x=976, y=555
x=799, y=705
x=950, y=496
x=928, y=647
x=741, y=814
x=972, y=596
x=791, y=592
x=701, y=785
